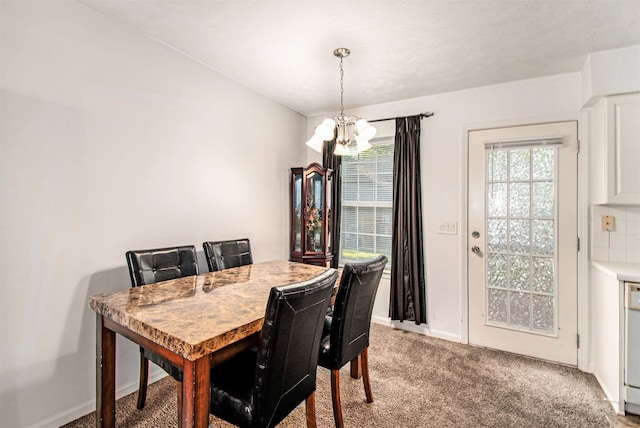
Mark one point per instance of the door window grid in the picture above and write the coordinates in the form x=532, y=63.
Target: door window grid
x=521, y=289
x=366, y=214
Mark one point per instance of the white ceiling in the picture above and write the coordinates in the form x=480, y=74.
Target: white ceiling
x=399, y=49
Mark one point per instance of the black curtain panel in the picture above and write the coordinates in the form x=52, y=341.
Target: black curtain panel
x=329, y=160
x=407, y=300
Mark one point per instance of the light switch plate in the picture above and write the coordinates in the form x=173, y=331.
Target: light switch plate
x=448, y=228
x=608, y=223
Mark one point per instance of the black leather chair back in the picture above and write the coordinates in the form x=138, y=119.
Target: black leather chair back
x=161, y=264
x=288, y=350
x=227, y=254
x=352, y=310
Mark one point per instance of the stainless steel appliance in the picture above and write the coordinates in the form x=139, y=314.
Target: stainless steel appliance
x=632, y=348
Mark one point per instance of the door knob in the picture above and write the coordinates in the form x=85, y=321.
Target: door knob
x=475, y=249
x=475, y=234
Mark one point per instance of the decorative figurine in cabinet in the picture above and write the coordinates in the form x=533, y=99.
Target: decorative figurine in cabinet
x=311, y=204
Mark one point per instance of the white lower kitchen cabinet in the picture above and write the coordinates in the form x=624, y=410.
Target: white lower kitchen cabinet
x=608, y=324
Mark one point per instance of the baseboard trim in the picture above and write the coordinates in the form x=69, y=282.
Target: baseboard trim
x=90, y=406
x=420, y=329
x=609, y=397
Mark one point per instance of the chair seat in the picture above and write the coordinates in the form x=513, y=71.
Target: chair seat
x=173, y=371
x=232, y=388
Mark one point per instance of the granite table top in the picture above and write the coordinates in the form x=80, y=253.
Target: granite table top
x=197, y=315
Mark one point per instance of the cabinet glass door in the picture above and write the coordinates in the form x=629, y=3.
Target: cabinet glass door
x=297, y=196
x=328, y=208
x=313, y=212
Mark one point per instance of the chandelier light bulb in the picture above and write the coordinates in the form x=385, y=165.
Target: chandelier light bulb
x=362, y=144
x=324, y=131
x=330, y=123
x=365, y=131
x=315, y=143
x=341, y=150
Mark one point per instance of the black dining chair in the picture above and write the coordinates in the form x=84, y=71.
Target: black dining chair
x=259, y=387
x=227, y=254
x=148, y=267
x=347, y=324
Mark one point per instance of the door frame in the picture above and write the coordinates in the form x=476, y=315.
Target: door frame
x=582, y=117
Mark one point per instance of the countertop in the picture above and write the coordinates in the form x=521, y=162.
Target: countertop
x=621, y=271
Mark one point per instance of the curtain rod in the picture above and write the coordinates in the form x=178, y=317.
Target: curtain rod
x=422, y=116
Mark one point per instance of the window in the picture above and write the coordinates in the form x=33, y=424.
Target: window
x=367, y=189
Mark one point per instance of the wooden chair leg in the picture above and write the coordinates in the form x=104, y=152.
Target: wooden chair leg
x=310, y=404
x=335, y=398
x=179, y=386
x=144, y=379
x=356, y=371
x=364, y=361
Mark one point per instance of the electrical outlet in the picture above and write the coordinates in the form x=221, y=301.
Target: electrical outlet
x=448, y=228
x=608, y=223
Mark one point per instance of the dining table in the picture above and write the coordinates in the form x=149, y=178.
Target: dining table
x=194, y=322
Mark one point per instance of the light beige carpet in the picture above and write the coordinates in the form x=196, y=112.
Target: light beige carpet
x=419, y=381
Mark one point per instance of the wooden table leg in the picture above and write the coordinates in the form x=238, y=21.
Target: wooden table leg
x=196, y=393
x=105, y=375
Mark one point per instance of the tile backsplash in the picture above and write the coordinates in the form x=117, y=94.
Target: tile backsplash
x=623, y=243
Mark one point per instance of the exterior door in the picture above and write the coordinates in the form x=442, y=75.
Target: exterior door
x=522, y=260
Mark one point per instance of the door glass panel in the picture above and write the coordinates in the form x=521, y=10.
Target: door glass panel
x=519, y=199
x=521, y=289
x=519, y=164
x=542, y=274
x=519, y=278
x=497, y=199
x=497, y=310
x=542, y=232
x=497, y=235
x=497, y=270
x=543, y=163
x=519, y=312
x=497, y=165
x=542, y=312
x=541, y=203
x=519, y=236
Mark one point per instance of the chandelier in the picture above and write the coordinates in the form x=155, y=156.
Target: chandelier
x=347, y=126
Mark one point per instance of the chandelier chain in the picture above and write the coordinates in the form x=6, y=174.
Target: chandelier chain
x=341, y=88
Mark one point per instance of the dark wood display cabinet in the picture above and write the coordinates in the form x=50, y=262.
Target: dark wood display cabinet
x=311, y=204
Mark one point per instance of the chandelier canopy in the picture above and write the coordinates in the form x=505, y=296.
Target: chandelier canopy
x=342, y=127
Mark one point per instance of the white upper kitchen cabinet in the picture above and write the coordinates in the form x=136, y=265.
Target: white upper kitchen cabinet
x=615, y=150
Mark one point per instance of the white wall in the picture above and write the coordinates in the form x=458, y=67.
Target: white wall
x=443, y=172
x=111, y=141
x=622, y=244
